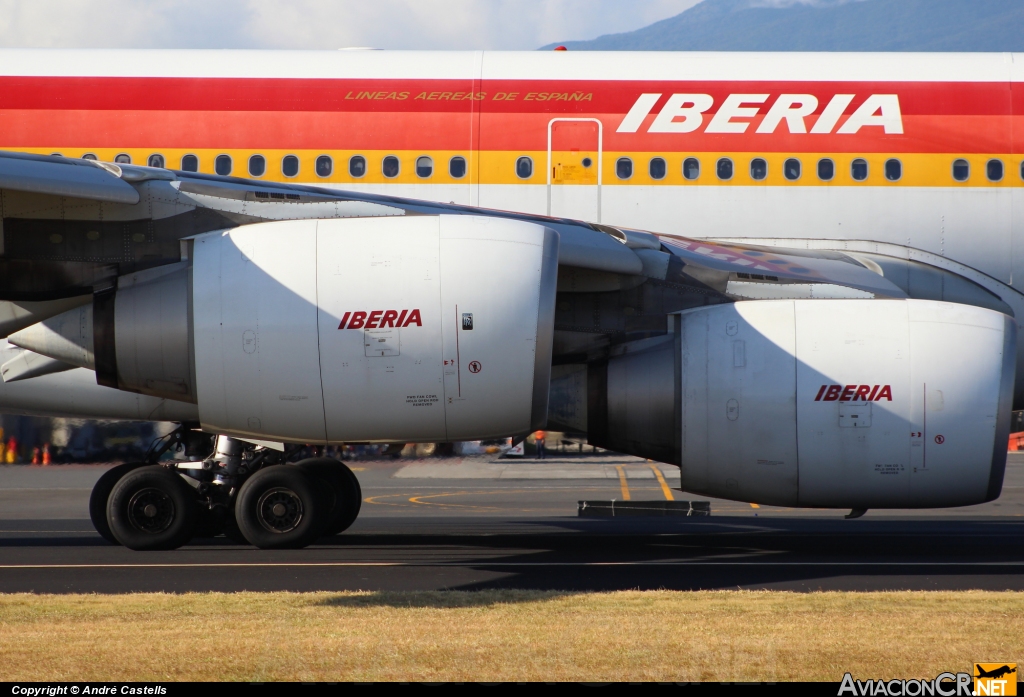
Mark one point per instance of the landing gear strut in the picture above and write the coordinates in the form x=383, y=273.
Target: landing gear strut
x=224, y=486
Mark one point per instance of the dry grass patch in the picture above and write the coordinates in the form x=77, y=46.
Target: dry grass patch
x=505, y=635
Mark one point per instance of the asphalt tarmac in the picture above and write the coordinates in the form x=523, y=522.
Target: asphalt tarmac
x=484, y=523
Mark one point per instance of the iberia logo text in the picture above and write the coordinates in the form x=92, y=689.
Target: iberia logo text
x=854, y=393
x=378, y=319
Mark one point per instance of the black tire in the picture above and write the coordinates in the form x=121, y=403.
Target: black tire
x=101, y=493
x=354, y=495
x=152, y=508
x=231, y=530
x=280, y=508
x=345, y=493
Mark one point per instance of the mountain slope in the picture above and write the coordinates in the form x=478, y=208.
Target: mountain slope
x=865, y=25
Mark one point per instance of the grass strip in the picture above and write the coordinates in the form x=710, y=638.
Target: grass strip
x=505, y=635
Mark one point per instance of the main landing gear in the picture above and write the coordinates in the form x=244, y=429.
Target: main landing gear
x=225, y=486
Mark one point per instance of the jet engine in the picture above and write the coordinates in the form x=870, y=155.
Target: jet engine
x=821, y=403
x=429, y=328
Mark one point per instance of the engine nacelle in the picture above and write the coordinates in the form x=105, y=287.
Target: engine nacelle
x=426, y=328
x=420, y=328
x=821, y=403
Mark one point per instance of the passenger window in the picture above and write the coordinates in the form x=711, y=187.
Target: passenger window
x=1022, y=170
x=123, y=159
x=859, y=169
x=457, y=167
x=222, y=165
x=826, y=169
x=90, y=156
x=289, y=165
x=624, y=168
x=893, y=170
x=691, y=168
x=758, y=169
x=390, y=166
x=994, y=170
x=424, y=167
x=257, y=166
x=155, y=161
x=791, y=169
x=357, y=166
x=724, y=169
x=324, y=166
x=189, y=163
x=524, y=168
x=657, y=168
x=961, y=170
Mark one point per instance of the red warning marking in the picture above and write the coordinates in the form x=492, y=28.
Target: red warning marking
x=475, y=367
x=940, y=439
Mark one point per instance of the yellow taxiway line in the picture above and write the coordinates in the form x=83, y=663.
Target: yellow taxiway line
x=664, y=485
x=622, y=482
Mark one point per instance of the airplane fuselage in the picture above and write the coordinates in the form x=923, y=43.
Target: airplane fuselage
x=915, y=150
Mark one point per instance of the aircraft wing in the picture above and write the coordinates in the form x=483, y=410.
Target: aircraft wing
x=61, y=176
x=53, y=197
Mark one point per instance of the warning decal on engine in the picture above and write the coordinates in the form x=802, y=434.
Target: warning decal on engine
x=422, y=400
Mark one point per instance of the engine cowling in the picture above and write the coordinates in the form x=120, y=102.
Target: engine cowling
x=432, y=328
x=821, y=403
x=425, y=328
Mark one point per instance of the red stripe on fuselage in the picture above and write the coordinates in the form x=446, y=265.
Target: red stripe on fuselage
x=607, y=96
x=330, y=114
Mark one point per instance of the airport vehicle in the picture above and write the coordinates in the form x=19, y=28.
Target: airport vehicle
x=793, y=276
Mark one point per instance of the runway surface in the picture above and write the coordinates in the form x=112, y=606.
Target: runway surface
x=480, y=523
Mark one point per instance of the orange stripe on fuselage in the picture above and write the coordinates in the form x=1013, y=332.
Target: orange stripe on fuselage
x=239, y=129
x=448, y=131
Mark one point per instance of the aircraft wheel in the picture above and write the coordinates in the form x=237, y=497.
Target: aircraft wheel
x=152, y=508
x=279, y=508
x=345, y=493
x=101, y=494
x=231, y=530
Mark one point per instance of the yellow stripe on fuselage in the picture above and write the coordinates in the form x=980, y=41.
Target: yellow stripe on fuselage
x=499, y=167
